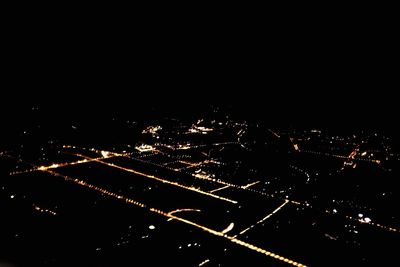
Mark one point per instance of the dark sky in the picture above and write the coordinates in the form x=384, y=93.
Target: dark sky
x=342, y=80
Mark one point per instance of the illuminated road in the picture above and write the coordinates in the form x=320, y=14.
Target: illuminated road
x=170, y=215
x=109, y=154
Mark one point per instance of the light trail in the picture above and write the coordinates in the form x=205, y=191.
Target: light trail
x=190, y=146
x=192, y=165
x=324, y=154
x=181, y=210
x=230, y=238
x=239, y=187
x=251, y=184
x=274, y=133
x=159, y=179
x=263, y=219
x=387, y=228
x=219, y=188
x=214, y=144
x=105, y=154
x=341, y=156
x=156, y=152
x=204, y=262
x=39, y=209
x=182, y=220
x=228, y=228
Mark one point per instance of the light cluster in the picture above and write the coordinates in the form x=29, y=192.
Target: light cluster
x=39, y=209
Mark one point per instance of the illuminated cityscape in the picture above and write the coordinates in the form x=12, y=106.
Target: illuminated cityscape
x=198, y=190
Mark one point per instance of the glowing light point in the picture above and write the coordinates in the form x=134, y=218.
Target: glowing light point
x=144, y=148
x=152, y=227
x=105, y=154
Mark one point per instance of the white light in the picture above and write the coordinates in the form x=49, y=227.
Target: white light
x=105, y=154
x=145, y=148
x=334, y=210
x=360, y=215
x=12, y=196
x=367, y=220
x=152, y=227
